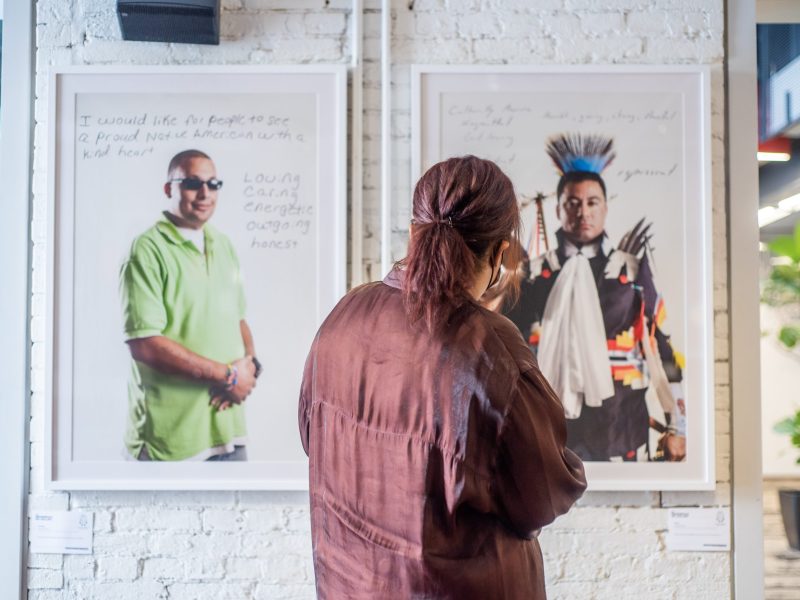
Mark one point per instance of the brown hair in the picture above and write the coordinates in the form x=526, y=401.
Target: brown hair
x=463, y=208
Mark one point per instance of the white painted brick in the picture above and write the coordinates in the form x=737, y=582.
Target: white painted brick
x=458, y=7
x=604, y=4
x=222, y=520
x=107, y=51
x=563, y=26
x=585, y=519
x=619, y=499
x=325, y=23
x=263, y=520
x=117, y=568
x=49, y=501
x=204, y=591
x=298, y=519
x=721, y=372
x=241, y=25
x=53, y=12
x=135, y=519
x=101, y=23
x=695, y=24
x=439, y=25
x=45, y=561
x=102, y=521
x=256, y=544
x=650, y=22
x=268, y=5
x=558, y=542
x=307, y=50
x=210, y=567
x=120, y=544
x=519, y=27
x=284, y=592
x=532, y=50
x=88, y=500
x=77, y=567
x=50, y=36
x=680, y=50
x=45, y=594
x=169, y=544
x=287, y=569
x=243, y=568
x=582, y=50
x=128, y=590
x=434, y=51
x=194, y=500
x=523, y=6
x=479, y=25
x=641, y=519
x=597, y=24
x=164, y=569
x=45, y=578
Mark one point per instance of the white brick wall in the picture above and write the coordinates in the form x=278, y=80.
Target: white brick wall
x=238, y=545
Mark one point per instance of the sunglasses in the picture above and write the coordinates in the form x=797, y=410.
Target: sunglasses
x=194, y=184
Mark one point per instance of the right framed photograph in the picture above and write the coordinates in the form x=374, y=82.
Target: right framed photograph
x=612, y=169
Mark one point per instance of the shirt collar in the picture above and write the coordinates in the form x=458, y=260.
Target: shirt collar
x=598, y=246
x=169, y=231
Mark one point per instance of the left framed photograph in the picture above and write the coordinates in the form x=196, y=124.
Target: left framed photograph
x=197, y=231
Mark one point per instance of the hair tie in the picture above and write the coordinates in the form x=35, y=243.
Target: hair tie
x=448, y=221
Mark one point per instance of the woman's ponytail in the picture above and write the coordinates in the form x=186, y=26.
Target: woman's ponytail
x=462, y=207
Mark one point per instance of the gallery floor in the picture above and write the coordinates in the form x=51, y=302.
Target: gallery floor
x=781, y=563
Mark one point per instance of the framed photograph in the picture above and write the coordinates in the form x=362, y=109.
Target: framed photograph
x=613, y=173
x=196, y=240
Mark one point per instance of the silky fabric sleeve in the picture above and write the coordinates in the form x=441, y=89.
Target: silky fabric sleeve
x=307, y=395
x=537, y=477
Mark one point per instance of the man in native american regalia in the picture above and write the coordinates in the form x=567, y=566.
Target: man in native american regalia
x=594, y=317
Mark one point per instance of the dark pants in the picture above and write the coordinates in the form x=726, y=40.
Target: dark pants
x=239, y=453
x=617, y=428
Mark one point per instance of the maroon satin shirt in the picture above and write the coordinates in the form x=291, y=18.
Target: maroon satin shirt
x=434, y=460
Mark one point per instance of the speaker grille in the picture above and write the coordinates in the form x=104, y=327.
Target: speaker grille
x=168, y=23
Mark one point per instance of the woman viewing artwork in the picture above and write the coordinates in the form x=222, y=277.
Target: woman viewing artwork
x=437, y=448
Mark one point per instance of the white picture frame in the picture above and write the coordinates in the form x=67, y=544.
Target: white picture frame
x=288, y=294
x=456, y=109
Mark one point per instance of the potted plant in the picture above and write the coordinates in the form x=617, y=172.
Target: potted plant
x=782, y=290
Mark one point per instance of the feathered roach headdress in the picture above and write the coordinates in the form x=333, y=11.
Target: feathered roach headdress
x=572, y=153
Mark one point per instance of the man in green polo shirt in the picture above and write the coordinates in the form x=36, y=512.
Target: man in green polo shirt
x=183, y=303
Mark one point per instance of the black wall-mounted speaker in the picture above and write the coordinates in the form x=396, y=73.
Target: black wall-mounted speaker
x=181, y=21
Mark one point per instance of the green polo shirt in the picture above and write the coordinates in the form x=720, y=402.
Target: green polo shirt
x=169, y=288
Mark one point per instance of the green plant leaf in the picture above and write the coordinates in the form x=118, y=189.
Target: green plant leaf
x=797, y=238
x=786, y=426
x=789, y=335
x=785, y=245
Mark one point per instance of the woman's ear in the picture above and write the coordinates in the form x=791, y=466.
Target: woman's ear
x=497, y=259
